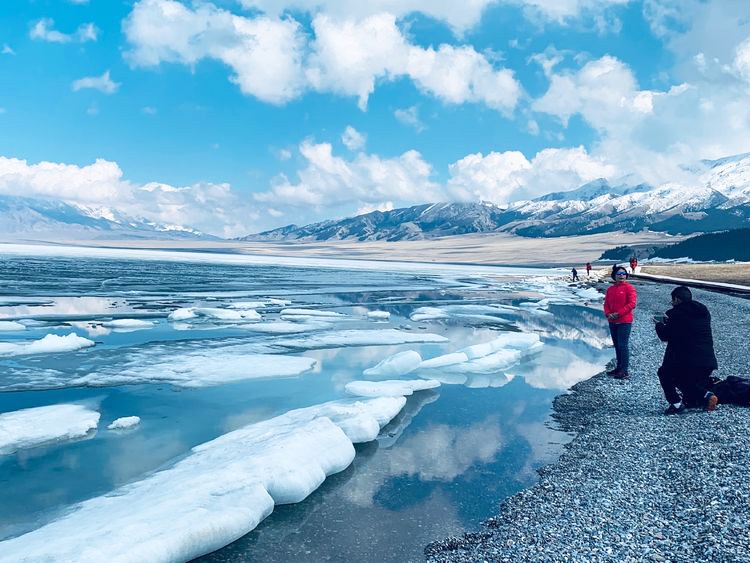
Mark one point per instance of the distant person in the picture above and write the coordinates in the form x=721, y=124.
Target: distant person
x=588, y=269
x=575, y=274
x=619, y=303
x=685, y=372
x=633, y=264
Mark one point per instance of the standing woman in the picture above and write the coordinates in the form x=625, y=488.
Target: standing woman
x=619, y=303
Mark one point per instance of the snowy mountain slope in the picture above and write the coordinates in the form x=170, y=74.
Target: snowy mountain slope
x=718, y=200
x=24, y=218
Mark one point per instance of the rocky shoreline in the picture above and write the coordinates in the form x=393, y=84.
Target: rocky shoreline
x=635, y=485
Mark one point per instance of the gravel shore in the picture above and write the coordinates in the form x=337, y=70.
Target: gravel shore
x=635, y=485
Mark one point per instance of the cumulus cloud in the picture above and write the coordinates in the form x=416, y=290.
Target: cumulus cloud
x=211, y=208
x=330, y=183
x=273, y=60
x=353, y=139
x=264, y=54
x=43, y=30
x=503, y=177
x=7, y=50
x=460, y=16
x=102, y=83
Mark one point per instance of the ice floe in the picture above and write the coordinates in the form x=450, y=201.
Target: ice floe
x=219, y=492
x=389, y=388
x=336, y=338
x=129, y=324
x=378, y=315
x=50, y=344
x=486, y=359
x=124, y=423
x=10, y=326
x=230, y=315
x=398, y=364
x=471, y=314
x=285, y=327
x=199, y=368
x=28, y=428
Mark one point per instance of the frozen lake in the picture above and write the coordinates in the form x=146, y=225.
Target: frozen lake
x=252, y=379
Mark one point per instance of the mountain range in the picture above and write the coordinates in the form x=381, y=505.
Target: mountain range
x=720, y=200
x=24, y=218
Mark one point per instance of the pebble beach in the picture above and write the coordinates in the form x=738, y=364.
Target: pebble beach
x=634, y=484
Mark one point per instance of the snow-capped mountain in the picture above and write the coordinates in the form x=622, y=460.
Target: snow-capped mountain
x=718, y=200
x=24, y=218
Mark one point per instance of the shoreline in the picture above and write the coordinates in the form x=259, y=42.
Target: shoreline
x=633, y=484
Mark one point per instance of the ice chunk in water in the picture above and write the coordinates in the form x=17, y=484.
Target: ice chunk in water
x=50, y=344
x=378, y=315
x=218, y=493
x=124, y=423
x=428, y=313
x=389, y=388
x=390, y=336
x=286, y=327
x=398, y=364
x=8, y=326
x=33, y=427
x=230, y=315
x=309, y=313
x=200, y=368
x=131, y=324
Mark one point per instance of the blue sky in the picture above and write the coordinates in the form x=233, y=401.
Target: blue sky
x=238, y=115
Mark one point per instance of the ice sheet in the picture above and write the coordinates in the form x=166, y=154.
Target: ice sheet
x=124, y=423
x=389, y=388
x=130, y=324
x=50, y=344
x=286, y=327
x=398, y=364
x=218, y=493
x=230, y=315
x=36, y=426
x=9, y=326
x=200, y=368
x=390, y=336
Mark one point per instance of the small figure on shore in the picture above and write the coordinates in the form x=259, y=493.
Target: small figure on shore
x=633, y=264
x=619, y=302
x=575, y=274
x=685, y=372
x=588, y=269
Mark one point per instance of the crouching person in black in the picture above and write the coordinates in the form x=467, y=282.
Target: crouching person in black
x=689, y=359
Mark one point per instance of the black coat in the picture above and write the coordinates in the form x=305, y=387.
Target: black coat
x=687, y=332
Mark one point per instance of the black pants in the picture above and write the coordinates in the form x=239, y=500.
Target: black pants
x=691, y=384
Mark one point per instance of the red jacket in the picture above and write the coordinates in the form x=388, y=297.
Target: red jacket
x=621, y=299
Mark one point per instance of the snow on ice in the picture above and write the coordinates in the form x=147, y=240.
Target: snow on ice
x=398, y=364
x=218, y=493
x=389, y=388
x=50, y=344
x=28, y=428
x=124, y=423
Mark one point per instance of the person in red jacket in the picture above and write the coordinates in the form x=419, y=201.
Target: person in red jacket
x=619, y=303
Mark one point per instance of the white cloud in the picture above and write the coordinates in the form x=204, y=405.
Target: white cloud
x=350, y=57
x=273, y=60
x=370, y=207
x=353, y=139
x=329, y=183
x=2, y=110
x=43, y=30
x=509, y=176
x=102, y=83
x=212, y=208
x=7, y=50
x=410, y=116
x=460, y=16
x=603, y=91
x=741, y=61
x=264, y=54
x=149, y=110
